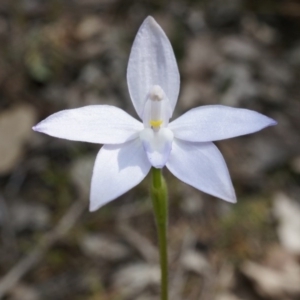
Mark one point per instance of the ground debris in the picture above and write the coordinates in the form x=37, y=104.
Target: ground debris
x=194, y=261
x=227, y=296
x=278, y=278
x=57, y=55
x=287, y=211
x=99, y=246
x=15, y=130
x=24, y=292
x=133, y=279
x=30, y=216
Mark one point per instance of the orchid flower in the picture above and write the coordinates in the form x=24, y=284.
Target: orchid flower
x=185, y=145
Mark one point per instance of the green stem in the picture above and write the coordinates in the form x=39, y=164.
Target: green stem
x=159, y=197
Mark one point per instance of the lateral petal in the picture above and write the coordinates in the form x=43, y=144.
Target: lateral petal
x=218, y=122
x=117, y=169
x=102, y=124
x=152, y=62
x=202, y=166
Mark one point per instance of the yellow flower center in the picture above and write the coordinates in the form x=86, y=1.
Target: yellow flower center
x=155, y=123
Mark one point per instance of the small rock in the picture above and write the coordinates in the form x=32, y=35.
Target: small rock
x=264, y=154
x=287, y=212
x=276, y=72
x=294, y=55
x=192, y=202
x=235, y=83
x=24, y=292
x=259, y=30
x=227, y=296
x=195, y=20
x=239, y=48
x=91, y=49
x=277, y=284
x=31, y=7
x=202, y=57
x=273, y=93
x=92, y=76
x=295, y=164
x=89, y=27
x=65, y=284
x=195, y=93
x=134, y=279
x=30, y=216
x=194, y=261
x=93, y=98
x=226, y=277
x=252, y=167
x=220, y=13
x=81, y=173
x=4, y=26
x=146, y=297
x=15, y=130
x=97, y=246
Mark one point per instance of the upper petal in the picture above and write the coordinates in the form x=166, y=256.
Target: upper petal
x=152, y=62
x=95, y=124
x=202, y=166
x=217, y=122
x=118, y=168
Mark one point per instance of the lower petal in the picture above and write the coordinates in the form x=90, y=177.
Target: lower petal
x=157, y=145
x=202, y=166
x=118, y=168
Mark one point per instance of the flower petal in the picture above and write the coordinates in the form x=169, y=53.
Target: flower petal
x=202, y=166
x=101, y=124
x=118, y=168
x=152, y=62
x=157, y=145
x=217, y=122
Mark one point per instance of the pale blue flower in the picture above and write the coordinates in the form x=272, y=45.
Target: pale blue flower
x=132, y=147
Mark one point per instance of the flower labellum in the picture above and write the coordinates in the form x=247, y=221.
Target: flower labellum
x=131, y=147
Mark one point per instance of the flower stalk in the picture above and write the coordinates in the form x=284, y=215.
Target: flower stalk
x=159, y=196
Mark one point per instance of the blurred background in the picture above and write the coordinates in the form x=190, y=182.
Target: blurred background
x=56, y=55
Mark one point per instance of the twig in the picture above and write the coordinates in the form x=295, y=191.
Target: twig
x=16, y=181
x=34, y=257
x=179, y=277
x=131, y=210
x=8, y=233
x=209, y=284
x=141, y=244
